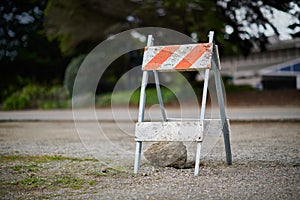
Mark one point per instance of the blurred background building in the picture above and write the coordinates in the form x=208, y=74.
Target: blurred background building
x=277, y=67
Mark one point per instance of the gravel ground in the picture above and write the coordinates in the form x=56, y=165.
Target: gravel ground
x=41, y=160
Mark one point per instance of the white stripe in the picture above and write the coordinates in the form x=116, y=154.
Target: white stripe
x=150, y=53
x=203, y=61
x=176, y=57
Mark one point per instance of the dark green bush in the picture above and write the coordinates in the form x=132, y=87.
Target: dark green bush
x=23, y=98
x=55, y=97
x=71, y=72
x=14, y=84
x=35, y=96
x=16, y=101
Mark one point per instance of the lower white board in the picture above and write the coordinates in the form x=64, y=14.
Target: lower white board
x=176, y=130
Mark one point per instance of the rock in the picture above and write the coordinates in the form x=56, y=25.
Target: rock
x=189, y=164
x=167, y=154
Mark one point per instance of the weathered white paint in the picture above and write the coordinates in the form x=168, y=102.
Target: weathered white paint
x=176, y=130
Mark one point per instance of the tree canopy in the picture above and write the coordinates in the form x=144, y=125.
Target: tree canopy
x=26, y=55
x=35, y=33
x=240, y=24
x=18, y=20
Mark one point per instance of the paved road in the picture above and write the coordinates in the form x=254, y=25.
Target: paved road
x=265, y=163
x=153, y=113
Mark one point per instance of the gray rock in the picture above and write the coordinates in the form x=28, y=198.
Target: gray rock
x=167, y=154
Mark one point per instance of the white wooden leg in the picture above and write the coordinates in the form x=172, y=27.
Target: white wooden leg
x=137, y=160
x=197, y=163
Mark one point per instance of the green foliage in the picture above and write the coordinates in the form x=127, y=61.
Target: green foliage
x=25, y=52
x=186, y=16
x=55, y=97
x=14, y=32
x=41, y=173
x=79, y=25
x=69, y=182
x=9, y=85
x=71, y=72
x=32, y=182
x=34, y=96
x=133, y=98
x=23, y=99
x=42, y=159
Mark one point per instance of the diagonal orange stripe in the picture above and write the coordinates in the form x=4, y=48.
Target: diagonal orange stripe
x=192, y=57
x=160, y=57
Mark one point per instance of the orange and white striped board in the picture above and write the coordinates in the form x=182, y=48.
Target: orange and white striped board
x=178, y=57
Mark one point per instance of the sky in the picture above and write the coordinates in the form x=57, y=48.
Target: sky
x=280, y=20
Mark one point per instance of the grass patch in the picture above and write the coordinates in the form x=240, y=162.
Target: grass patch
x=25, y=168
x=48, y=182
x=35, y=173
x=41, y=159
x=92, y=182
x=133, y=97
x=32, y=182
x=69, y=182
